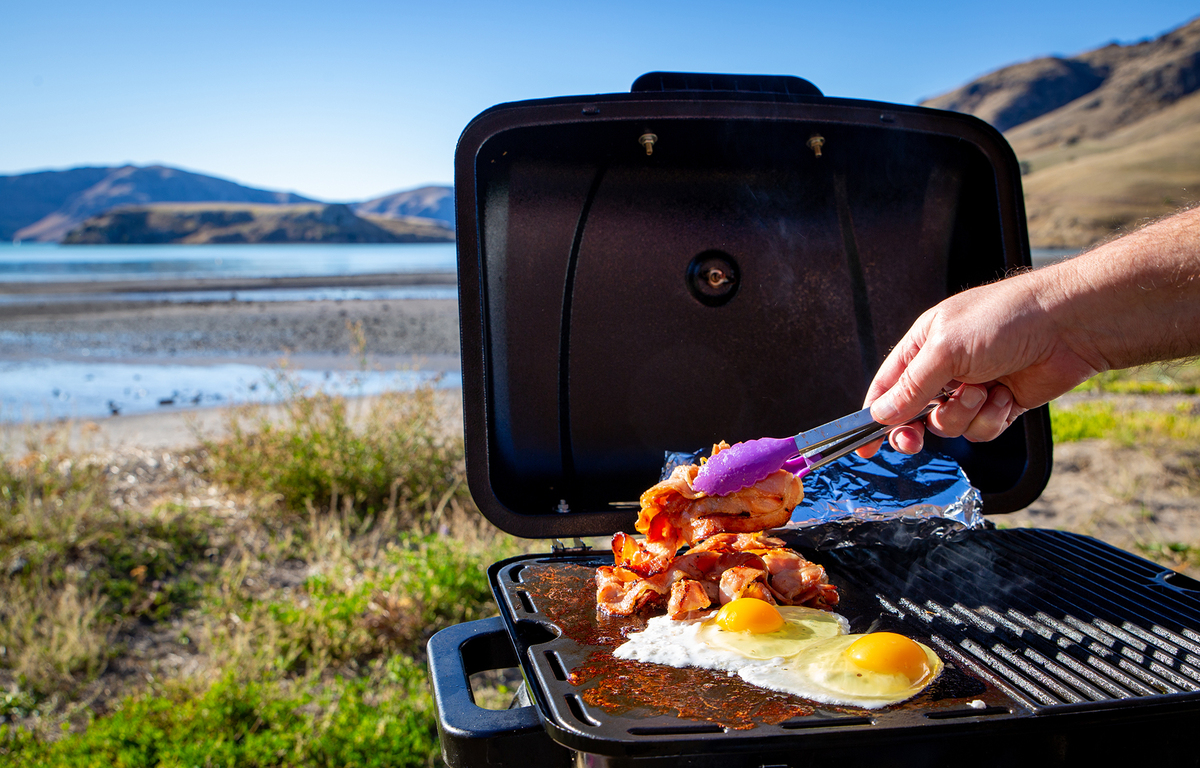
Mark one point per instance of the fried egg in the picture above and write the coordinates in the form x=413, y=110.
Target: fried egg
x=868, y=671
x=802, y=651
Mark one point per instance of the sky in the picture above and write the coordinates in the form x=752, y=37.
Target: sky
x=350, y=100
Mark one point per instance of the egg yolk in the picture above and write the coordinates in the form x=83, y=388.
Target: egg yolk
x=749, y=614
x=889, y=653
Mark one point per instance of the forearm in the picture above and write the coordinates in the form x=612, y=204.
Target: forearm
x=1018, y=343
x=1135, y=300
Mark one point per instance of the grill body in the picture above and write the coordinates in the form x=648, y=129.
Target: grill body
x=594, y=339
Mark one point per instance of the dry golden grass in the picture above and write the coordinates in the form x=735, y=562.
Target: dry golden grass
x=1078, y=194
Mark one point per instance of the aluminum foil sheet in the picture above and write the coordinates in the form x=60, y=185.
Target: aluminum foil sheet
x=892, y=498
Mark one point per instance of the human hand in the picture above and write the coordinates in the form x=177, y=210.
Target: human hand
x=1001, y=348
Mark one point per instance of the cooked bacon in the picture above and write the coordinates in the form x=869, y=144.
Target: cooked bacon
x=631, y=553
x=777, y=575
x=674, y=514
x=738, y=542
x=687, y=597
x=796, y=581
x=742, y=581
x=621, y=592
x=730, y=556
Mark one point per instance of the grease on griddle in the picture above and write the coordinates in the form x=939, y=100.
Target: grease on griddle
x=565, y=594
x=642, y=689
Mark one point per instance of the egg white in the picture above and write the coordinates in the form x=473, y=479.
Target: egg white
x=801, y=628
x=823, y=673
x=816, y=667
x=701, y=643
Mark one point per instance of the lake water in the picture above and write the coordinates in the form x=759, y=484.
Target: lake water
x=47, y=388
x=39, y=390
x=50, y=262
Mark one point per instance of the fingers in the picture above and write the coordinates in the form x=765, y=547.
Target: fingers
x=994, y=416
x=908, y=439
x=870, y=449
x=953, y=417
x=973, y=411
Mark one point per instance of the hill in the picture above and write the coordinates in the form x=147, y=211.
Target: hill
x=80, y=193
x=433, y=202
x=46, y=205
x=211, y=223
x=1109, y=137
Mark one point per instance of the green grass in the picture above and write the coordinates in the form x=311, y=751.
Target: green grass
x=1087, y=421
x=382, y=718
x=1176, y=555
x=77, y=569
x=1175, y=378
x=344, y=539
x=393, y=459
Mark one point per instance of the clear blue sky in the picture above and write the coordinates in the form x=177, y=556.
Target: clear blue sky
x=353, y=99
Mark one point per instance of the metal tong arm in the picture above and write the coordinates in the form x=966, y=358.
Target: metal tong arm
x=829, y=442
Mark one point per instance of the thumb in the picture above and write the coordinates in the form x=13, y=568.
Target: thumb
x=923, y=379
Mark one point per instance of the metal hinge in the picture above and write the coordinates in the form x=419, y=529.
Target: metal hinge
x=576, y=547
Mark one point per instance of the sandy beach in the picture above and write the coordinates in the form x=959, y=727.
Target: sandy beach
x=392, y=329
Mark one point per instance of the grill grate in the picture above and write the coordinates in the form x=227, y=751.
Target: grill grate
x=1051, y=619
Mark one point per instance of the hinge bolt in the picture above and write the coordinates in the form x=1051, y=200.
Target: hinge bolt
x=815, y=143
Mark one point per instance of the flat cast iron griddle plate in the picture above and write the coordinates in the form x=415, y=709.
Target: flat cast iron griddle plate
x=1030, y=623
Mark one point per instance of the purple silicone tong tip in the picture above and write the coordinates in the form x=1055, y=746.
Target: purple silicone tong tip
x=801, y=465
x=744, y=464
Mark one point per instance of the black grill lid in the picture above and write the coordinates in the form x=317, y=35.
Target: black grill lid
x=667, y=268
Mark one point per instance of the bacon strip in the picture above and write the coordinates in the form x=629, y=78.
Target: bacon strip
x=777, y=575
x=674, y=514
x=729, y=555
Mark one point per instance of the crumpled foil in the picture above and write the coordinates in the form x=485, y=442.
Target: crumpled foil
x=892, y=498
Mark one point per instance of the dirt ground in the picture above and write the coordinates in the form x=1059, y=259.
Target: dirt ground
x=1142, y=498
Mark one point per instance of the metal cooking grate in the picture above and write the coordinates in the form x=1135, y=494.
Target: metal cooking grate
x=1052, y=619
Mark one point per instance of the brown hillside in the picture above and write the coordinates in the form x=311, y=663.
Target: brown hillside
x=1081, y=193
x=1109, y=137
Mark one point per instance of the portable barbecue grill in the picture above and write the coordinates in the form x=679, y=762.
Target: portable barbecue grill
x=722, y=257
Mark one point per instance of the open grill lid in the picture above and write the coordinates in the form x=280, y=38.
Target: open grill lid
x=708, y=257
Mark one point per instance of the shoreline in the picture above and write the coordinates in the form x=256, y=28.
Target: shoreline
x=181, y=429
x=169, y=285
x=88, y=356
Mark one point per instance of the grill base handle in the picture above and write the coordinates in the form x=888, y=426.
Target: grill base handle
x=471, y=735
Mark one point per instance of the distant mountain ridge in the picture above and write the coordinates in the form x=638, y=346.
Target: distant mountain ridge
x=217, y=223
x=47, y=205
x=1109, y=137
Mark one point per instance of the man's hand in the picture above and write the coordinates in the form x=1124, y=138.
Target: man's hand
x=1010, y=346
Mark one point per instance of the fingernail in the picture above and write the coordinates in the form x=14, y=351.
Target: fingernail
x=1002, y=398
x=884, y=410
x=972, y=397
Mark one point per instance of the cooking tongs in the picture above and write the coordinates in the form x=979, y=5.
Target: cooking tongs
x=746, y=463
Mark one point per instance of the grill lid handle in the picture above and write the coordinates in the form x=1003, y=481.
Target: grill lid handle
x=471, y=735
x=702, y=81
